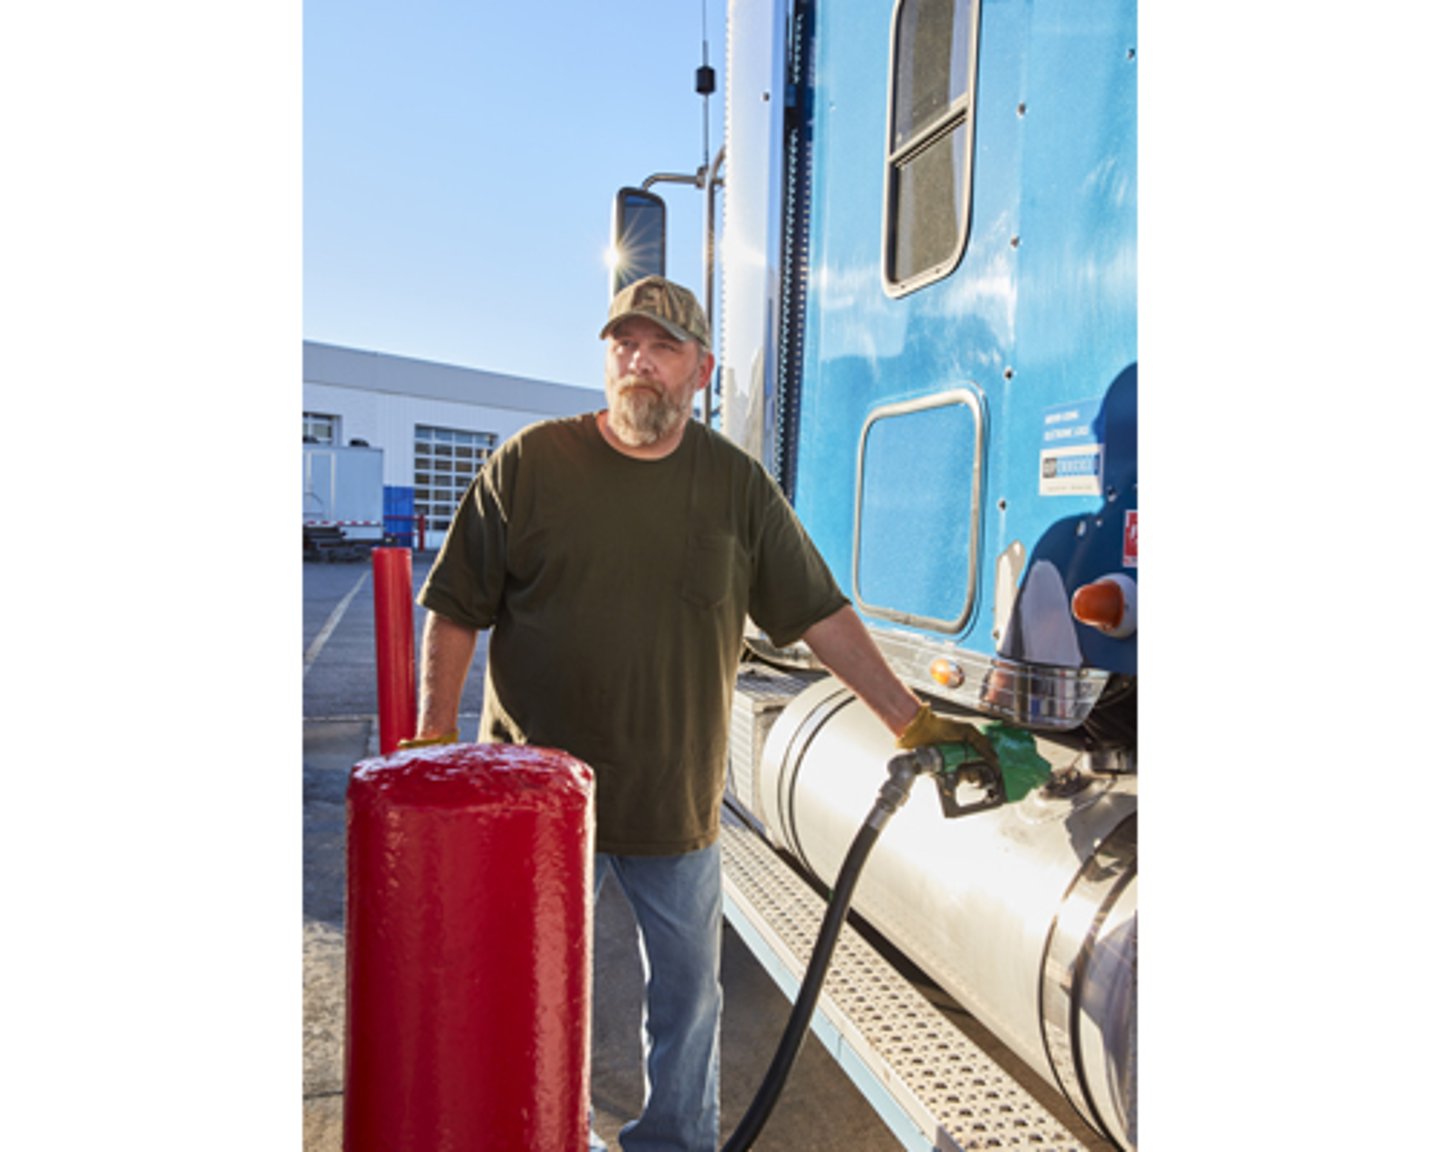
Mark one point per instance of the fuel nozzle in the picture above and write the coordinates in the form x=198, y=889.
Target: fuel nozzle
x=971, y=762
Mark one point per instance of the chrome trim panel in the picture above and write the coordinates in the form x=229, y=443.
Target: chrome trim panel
x=1040, y=697
x=1037, y=696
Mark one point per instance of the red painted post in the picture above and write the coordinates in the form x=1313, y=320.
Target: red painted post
x=394, y=646
x=468, y=945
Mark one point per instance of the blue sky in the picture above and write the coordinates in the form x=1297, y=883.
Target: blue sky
x=461, y=160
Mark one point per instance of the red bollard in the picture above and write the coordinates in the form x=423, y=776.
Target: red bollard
x=394, y=646
x=468, y=942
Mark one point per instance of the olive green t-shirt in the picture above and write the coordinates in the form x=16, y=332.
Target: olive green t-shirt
x=617, y=590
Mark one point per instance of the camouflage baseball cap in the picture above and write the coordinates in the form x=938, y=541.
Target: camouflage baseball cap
x=668, y=304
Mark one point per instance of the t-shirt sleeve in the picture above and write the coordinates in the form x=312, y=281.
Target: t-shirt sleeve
x=792, y=586
x=467, y=581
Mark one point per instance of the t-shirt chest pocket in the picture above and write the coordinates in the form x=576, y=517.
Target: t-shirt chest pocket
x=713, y=568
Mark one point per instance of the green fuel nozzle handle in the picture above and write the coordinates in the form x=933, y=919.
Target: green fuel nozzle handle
x=973, y=762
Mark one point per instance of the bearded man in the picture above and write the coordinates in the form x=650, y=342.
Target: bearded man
x=616, y=556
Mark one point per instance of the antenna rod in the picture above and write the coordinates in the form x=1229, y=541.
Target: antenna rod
x=705, y=82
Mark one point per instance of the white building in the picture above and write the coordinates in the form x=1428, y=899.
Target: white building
x=435, y=423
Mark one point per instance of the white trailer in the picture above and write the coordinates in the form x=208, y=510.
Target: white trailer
x=343, y=499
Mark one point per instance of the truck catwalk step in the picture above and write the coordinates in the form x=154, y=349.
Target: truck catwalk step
x=933, y=1086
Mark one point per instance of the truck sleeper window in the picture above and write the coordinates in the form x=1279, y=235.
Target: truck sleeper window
x=927, y=168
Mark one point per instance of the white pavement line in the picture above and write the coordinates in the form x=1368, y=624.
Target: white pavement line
x=331, y=624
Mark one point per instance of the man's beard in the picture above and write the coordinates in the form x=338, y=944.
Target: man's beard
x=642, y=413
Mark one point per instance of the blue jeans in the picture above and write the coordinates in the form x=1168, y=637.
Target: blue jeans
x=677, y=904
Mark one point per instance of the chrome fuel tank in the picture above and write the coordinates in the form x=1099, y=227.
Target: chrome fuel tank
x=1026, y=914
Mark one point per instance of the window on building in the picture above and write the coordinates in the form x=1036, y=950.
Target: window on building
x=930, y=136
x=446, y=460
x=321, y=429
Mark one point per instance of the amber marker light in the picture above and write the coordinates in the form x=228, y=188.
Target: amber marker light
x=946, y=672
x=1107, y=604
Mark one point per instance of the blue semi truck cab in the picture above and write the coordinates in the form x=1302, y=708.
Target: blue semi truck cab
x=924, y=293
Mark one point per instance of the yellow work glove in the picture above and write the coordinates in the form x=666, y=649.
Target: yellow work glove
x=928, y=728
x=449, y=737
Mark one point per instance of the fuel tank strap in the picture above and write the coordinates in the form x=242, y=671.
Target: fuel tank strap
x=934, y=1086
x=1074, y=946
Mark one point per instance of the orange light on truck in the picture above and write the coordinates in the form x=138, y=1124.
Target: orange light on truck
x=946, y=673
x=1107, y=604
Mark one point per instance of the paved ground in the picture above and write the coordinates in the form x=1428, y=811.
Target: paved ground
x=820, y=1109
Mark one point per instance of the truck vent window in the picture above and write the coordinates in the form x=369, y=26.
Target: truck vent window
x=446, y=460
x=927, y=167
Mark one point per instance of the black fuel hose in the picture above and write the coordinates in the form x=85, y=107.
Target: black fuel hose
x=903, y=770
